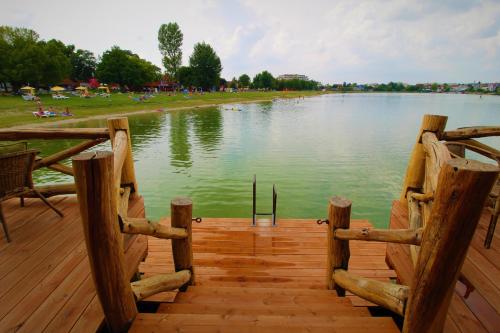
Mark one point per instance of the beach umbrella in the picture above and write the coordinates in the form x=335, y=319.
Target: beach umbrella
x=29, y=90
x=57, y=89
x=105, y=88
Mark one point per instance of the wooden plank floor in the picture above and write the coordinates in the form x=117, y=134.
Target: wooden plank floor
x=45, y=282
x=230, y=252
x=480, y=310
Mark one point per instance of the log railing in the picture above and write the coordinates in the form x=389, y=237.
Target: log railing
x=433, y=148
x=445, y=194
x=105, y=181
x=461, y=191
x=91, y=137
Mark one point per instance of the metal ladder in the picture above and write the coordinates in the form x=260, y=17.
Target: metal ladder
x=255, y=213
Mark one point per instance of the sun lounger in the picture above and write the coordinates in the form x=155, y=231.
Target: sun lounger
x=28, y=97
x=40, y=115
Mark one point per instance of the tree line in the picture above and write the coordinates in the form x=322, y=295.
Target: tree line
x=27, y=59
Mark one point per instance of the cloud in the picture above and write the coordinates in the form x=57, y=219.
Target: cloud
x=330, y=41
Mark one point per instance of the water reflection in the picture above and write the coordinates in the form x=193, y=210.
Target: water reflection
x=180, y=147
x=355, y=145
x=207, y=126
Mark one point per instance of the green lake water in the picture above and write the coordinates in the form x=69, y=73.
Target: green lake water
x=353, y=145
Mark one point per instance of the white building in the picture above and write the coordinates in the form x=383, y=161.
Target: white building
x=293, y=77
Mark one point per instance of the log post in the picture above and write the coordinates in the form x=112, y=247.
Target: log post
x=414, y=177
x=97, y=199
x=181, y=213
x=128, y=170
x=463, y=187
x=339, y=216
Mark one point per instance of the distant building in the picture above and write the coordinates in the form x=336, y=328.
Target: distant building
x=286, y=77
x=493, y=86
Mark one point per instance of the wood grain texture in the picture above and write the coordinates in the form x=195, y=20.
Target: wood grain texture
x=404, y=236
x=462, y=189
x=181, y=211
x=339, y=217
x=97, y=200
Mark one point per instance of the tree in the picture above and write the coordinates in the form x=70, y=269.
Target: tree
x=434, y=86
x=264, y=80
x=244, y=81
x=170, y=41
x=126, y=68
x=83, y=65
x=24, y=59
x=206, y=66
x=233, y=84
x=185, y=76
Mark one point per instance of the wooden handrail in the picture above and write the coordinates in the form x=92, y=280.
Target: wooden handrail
x=403, y=236
x=414, y=178
x=477, y=147
x=470, y=132
x=116, y=125
x=53, y=133
x=389, y=295
x=146, y=227
x=463, y=187
x=159, y=283
x=120, y=148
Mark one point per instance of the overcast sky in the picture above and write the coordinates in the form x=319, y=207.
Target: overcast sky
x=330, y=41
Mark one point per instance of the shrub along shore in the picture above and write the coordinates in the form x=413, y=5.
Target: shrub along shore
x=14, y=111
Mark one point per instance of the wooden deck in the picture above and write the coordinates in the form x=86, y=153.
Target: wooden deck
x=232, y=253
x=478, y=311
x=45, y=281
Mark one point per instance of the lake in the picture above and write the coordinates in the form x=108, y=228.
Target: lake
x=353, y=145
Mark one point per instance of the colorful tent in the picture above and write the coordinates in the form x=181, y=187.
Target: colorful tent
x=28, y=90
x=57, y=89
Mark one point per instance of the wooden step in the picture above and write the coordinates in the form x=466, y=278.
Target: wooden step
x=259, y=291
x=331, y=309
x=154, y=322
x=259, y=299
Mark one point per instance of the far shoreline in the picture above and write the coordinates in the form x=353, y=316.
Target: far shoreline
x=158, y=110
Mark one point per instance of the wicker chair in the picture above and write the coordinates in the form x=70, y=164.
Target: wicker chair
x=16, y=180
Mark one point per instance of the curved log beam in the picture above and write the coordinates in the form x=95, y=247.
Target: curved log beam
x=120, y=147
x=403, y=236
x=146, y=227
x=53, y=190
x=423, y=197
x=388, y=295
x=415, y=222
x=71, y=151
x=159, y=283
x=415, y=172
x=471, y=132
x=61, y=168
x=477, y=147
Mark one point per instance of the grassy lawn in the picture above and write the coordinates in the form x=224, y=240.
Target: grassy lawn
x=15, y=111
